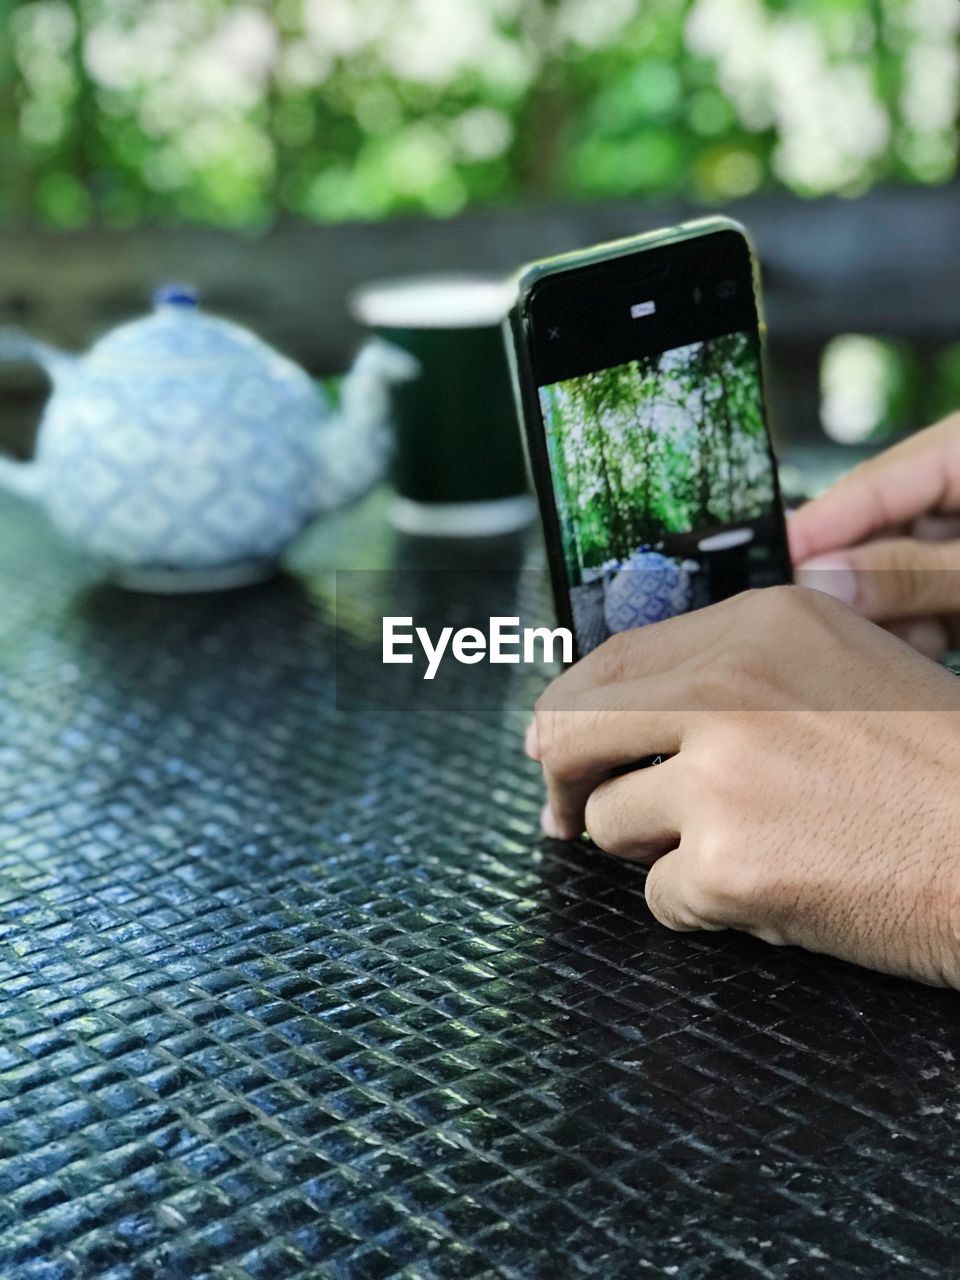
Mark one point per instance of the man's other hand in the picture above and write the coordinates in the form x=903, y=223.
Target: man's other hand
x=884, y=539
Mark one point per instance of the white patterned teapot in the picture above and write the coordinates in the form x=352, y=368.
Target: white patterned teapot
x=186, y=454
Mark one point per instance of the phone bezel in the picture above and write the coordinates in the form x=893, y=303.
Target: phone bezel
x=519, y=338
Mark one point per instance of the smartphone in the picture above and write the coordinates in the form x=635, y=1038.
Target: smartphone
x=638, y=368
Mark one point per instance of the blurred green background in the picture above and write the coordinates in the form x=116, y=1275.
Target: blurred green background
x=234, y=114
x=127, y=114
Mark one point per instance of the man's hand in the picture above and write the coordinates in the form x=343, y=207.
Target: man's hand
x=810, y=785
x=884, y=539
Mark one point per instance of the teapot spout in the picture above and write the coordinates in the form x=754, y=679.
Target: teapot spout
x=356, y=449
x=366, y=388
x=17, y=346
x=24, y=478
x=20, y=478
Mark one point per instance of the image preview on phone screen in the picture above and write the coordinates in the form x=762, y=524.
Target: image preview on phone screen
x=665, y=484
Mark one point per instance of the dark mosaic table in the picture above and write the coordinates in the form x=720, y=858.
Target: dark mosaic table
x=290, y=988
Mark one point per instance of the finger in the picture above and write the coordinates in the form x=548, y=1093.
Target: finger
x=884, y=581
x=646, y=651
x=601, y=730
x=638, y=815
x=671, y=893
x=918, y=477
x=929, y=636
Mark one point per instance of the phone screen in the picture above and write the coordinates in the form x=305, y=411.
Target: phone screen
x=662, y=484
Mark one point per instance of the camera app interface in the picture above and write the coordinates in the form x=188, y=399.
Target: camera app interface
x=664, y=481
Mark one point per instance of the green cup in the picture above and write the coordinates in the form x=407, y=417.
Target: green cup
x=458, y=467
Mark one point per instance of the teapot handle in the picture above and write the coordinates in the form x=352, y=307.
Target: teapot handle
x=23, y=478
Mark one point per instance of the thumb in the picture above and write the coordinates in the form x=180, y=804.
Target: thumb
x=884, y=581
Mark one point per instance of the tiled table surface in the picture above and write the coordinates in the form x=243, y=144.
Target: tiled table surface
x=289, y=987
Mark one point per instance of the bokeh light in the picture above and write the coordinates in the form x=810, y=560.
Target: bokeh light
x=865, y=384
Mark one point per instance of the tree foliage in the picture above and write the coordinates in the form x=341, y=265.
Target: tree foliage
x=233, y=113
x=673, y=443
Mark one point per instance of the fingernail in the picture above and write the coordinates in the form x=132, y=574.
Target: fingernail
x=549, y=823
x=530, y=743
x=830, y=575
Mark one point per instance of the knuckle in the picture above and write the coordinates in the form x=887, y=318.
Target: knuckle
x=703, y=687
x=808, y=602
x=729, y=757
x=726, y=875
x=657, y=901
x=908, y=578
x=900, y=556
x=613, y=658
x=754, y=597
x=722, y=768
x=752, y=665
x=663, y=904
x=786, y=619
x=551, y=696
x=558, y=733
x=725, y=882
x=743, y=676
x=712, y=868
x=549, y=735
x=768, y=602
x=603, y=826
x=822, y=621
x=783, y=605
x=774, y=613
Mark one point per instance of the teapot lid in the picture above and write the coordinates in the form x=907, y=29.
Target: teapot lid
x=177, y=332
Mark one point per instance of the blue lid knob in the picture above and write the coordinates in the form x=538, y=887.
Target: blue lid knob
x=176, y=295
